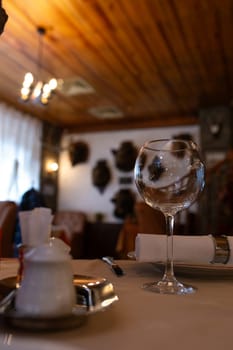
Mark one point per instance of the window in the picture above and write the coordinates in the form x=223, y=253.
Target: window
x=20, y=152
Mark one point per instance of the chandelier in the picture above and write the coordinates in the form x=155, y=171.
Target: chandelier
x=38, y=91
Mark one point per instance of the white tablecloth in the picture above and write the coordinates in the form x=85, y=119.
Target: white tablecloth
x=140, y=319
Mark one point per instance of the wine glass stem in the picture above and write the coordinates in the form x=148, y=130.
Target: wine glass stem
x=169, y=271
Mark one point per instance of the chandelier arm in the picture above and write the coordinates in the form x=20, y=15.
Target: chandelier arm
x=41, y=32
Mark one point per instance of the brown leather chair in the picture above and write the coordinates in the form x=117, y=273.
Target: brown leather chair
x=216, y=204
x=8, y=214
x=149, y=220
x=146, y=220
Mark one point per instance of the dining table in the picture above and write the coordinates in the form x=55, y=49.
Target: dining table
x=139, y=319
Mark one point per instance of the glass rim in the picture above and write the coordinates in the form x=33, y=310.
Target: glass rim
x=186, y=145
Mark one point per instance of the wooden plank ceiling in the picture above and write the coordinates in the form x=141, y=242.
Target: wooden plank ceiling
x=157, y=61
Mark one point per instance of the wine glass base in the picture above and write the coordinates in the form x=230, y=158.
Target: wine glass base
x=169, y=287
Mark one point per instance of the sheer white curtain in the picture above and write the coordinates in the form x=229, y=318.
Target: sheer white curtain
x=20, y=153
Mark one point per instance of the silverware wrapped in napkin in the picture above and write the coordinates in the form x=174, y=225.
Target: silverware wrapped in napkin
x=201, y=249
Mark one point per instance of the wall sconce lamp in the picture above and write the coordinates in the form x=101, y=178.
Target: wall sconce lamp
x=51, y=166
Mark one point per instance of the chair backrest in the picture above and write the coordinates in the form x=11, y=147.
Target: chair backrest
x=153, y=221
x=71, y=221
x=217, y=201
x=149, y=220
x=8, y=214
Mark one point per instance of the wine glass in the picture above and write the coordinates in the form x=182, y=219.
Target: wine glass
x=169, y=175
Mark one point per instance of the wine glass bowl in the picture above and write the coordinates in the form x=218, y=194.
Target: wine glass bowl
x=169, y=175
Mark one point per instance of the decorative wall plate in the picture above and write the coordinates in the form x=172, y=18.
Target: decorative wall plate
x=125, y=156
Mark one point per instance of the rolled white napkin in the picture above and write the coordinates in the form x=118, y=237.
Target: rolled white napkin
x=186, y=249
x=35, y=226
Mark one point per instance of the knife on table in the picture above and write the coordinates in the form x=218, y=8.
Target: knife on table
x=114, y=266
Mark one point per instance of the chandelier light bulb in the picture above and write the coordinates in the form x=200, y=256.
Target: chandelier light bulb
x=37, y=90
x=53, y=83
x=25, y=93
x=46, y=90
x=28, y=79
x=46, y=93
x=44, y=100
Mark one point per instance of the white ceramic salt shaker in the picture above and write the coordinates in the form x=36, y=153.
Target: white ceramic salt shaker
x=47, y=288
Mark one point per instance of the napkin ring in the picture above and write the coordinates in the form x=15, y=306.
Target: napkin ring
x=221, y=251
